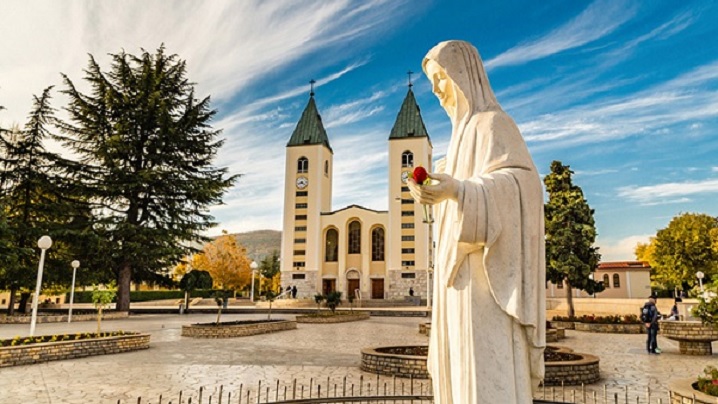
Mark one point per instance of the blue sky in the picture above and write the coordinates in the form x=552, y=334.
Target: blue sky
x=625, y=92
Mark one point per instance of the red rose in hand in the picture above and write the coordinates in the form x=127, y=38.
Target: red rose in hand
x=420, y=175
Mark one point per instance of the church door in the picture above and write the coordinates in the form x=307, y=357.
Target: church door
x=328, y=286
x=377, y=288
x=352, y=285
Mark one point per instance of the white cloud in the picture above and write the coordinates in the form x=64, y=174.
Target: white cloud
x=599, y=19
x=686, y=99
x=620, y=249
x=673, y=192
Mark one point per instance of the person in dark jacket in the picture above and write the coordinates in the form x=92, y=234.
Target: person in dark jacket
x=650, y=318
x=294, y=292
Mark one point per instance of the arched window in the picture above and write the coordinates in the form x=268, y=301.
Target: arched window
x=326, y=167
x=377, y=244
x=616, y=281
x=355, y=237
x=331, y=245
x=407, y=159
x=303, y=165
x=606, y=282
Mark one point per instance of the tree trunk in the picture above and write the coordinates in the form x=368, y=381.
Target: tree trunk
x=569, y=299
x=11, y=304
x=99, y=318
x=219, y=313
x=24, y=298
x=123, y=288
x=186, y=301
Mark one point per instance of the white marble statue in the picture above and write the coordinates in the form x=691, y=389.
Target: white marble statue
x=488, y=320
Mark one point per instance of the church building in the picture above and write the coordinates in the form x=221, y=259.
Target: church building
x=355, y=250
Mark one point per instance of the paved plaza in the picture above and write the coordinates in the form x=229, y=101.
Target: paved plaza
x=174, y=363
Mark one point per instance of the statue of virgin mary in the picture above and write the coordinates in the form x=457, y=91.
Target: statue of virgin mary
x=488, y=319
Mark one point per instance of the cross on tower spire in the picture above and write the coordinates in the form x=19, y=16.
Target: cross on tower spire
x=311, y=87
x=409, y=73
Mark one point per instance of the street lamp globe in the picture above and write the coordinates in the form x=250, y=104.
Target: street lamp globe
x=44, y=242
x=254, y=265
x=75, y=264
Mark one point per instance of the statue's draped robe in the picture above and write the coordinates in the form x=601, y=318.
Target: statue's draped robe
x=488, y=328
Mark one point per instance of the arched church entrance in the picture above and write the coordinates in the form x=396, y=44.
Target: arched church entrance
x=353, y=282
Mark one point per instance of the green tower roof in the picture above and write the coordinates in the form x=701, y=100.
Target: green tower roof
x=310, y=129
x=408, y=122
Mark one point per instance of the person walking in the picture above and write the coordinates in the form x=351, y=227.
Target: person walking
x=650, y=316
x=294, y=292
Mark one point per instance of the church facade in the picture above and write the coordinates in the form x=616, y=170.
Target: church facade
x=355, y=250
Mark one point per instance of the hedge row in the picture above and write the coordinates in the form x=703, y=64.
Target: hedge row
x=144, y=295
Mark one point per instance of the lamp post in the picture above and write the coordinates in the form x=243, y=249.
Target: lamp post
x=75, y=264
x=429, y=272
x=700, y=276
x=254, y=267
x=44, y=243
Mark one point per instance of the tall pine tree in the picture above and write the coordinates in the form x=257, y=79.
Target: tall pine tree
x=34, y=200
x=147, y=148
x=570, y=234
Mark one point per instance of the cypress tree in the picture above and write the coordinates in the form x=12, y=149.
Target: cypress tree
x=571, y=256
x=147, y=148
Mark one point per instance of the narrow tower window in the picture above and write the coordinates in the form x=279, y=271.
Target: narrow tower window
x=326, y=167
x=303, y=165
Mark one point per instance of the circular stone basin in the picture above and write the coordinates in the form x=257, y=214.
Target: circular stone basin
x=563, y=366
x=693, y=337
x=399, y=361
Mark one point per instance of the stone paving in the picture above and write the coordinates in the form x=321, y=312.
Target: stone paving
x=317, y=351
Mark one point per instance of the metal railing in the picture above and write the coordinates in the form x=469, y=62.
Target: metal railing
x=382, y=390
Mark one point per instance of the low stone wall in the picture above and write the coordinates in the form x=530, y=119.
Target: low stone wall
x=682, y=392
x=62, y=318
x=393, y=365
x=611, y=328
x=53, y=351
x=693, y=337
x=555, y=334
x=572, y=373
x=338, y=318
x=236, y=330
x=566, y=325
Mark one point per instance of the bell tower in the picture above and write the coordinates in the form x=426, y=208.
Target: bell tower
x=410, y=243
x=307, y=193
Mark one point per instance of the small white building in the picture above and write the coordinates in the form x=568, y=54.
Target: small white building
x=622, y=279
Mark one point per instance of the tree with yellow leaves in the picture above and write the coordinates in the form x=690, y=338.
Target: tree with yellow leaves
x=226, y=261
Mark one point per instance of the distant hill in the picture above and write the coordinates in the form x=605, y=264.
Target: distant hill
x=260, y=243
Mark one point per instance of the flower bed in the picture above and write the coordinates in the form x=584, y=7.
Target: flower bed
x=611, y=328
x=563, y=366
x=29, y=350
x=62, y=318
x=629, y=324
x=329, y=317
x=683, y=391
x=399, y=361
x=236, y=328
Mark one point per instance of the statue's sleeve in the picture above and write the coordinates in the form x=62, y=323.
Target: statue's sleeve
x=475, y=223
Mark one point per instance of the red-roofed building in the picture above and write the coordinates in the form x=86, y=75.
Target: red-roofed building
x=623, y=279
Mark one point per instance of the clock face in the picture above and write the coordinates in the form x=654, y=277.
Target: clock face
x=404, y=176
x=302, y=182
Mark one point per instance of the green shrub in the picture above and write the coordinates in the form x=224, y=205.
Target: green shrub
x=707, y=309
